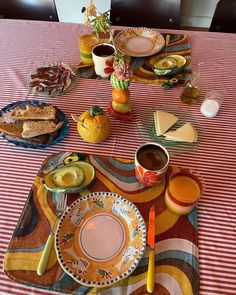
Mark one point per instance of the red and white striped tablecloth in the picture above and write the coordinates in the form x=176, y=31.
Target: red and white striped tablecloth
x=25, y=44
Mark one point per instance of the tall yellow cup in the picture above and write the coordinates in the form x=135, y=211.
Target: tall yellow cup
x=86, y=43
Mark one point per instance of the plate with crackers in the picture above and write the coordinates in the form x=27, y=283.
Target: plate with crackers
x=176, y=129
x=33, y=124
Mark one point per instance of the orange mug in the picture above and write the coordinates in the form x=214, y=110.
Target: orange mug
x=151, y=163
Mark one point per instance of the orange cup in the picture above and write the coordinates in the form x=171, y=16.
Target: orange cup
x=183, y=191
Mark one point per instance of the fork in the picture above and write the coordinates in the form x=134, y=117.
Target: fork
x=61, y=204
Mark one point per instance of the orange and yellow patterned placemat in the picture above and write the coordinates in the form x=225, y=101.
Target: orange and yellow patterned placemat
x=176, y=260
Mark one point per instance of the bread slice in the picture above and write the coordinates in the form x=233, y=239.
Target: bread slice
x=36, y=128
x=31, y=112
x=163, y=121
x=13, y=129
x=186, y=133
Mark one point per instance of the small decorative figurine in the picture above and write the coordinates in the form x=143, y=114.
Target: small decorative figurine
x=120, y=80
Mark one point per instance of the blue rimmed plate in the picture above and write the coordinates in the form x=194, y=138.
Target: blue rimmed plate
x=64, y=130
x=100, y=239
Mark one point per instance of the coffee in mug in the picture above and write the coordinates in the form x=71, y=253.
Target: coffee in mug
x=151, y=163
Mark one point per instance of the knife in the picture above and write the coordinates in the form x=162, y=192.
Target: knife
x=151, y=243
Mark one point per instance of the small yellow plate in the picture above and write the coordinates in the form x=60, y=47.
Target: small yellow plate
x=89, y=175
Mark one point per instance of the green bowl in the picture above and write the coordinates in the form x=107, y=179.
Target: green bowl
x=170, y=65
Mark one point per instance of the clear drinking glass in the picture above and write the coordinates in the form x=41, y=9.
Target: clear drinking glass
x=211, y=103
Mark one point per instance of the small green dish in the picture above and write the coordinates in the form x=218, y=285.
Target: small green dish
x=169, y=65
x=84, y=172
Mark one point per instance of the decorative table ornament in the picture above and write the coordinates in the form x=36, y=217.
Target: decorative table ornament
x=120, y=81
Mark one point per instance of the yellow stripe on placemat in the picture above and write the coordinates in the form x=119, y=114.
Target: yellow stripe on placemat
x=136, y=78
x=173, y=43
x=42, y=199
x=123, y=160
x=179, y=276
x=165, y=220
x=27, y=260
x=144, y=196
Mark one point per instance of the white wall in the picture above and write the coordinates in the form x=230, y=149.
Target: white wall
x=70, y=10
x=195, y=13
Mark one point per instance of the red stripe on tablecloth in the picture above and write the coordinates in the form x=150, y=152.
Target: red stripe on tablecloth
x=5, y=285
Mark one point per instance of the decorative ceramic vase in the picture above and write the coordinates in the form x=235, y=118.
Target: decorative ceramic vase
x=120, y=82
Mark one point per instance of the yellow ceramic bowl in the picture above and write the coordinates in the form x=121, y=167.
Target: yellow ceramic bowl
x=70, y=178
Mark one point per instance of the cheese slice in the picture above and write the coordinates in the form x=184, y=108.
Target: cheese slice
x=163, y=121
x=185, y=133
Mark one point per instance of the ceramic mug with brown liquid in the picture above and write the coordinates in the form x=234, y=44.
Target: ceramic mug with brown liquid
x=103, y=55
x=151, y=163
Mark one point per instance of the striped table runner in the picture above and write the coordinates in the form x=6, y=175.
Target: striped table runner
x=25, y=44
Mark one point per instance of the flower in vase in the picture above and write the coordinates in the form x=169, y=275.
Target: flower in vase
x=100, y=21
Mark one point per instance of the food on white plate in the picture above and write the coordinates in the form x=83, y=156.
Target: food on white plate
x=36, y=128
x=32, y=112
x=163, y=121
x=186, y=133
x=51, y=80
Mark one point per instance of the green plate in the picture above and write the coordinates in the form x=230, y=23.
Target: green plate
x=146, y=128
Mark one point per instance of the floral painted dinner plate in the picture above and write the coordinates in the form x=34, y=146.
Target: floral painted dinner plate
x=100, y=239
x=139, y=42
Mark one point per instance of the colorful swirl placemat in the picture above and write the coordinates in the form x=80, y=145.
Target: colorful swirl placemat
x=176, y=248
x=142, y=67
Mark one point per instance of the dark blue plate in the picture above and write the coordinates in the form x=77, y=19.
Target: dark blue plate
x=60, y=116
